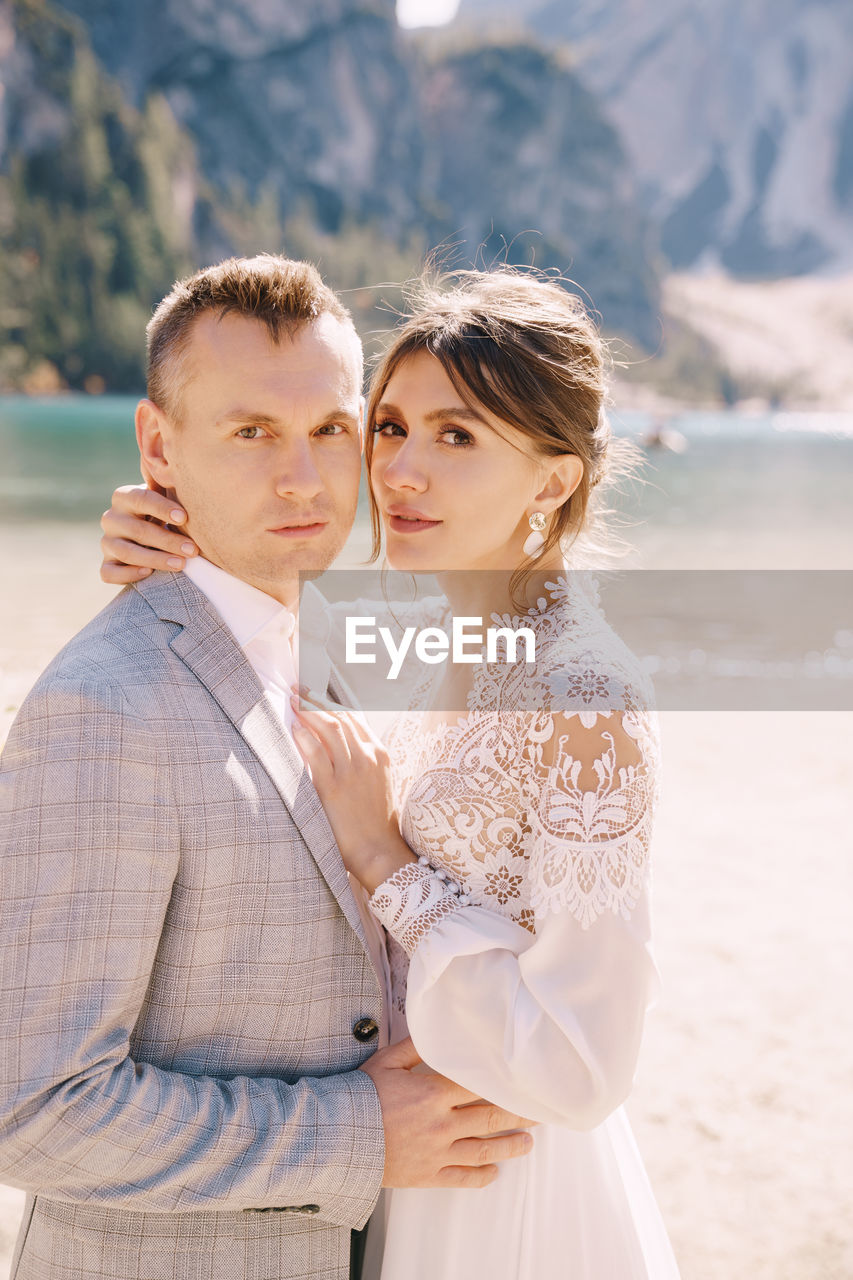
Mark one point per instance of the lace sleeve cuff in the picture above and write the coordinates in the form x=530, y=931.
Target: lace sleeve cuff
x=414, y=899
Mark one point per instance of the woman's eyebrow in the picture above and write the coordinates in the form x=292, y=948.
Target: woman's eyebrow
x=387, y=407
x=460, y=412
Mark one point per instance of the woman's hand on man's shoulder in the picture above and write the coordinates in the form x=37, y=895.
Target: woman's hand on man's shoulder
x=138, y=538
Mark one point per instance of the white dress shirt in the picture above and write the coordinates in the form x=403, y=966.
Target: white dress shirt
x=267, y=633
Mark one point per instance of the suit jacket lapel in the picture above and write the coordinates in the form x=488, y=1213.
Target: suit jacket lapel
x=210, y=651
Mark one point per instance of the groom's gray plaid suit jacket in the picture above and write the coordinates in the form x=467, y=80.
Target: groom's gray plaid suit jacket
x=182, y=964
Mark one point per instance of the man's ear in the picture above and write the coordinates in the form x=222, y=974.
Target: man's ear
x=362, y=421
x=153, y=435
x=563, y=474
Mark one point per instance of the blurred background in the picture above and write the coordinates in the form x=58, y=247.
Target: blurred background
x=689, y=166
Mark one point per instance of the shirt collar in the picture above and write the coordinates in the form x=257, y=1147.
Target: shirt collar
x=244, y=609
x=252, y=615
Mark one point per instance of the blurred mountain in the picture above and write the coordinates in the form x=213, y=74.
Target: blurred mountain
x=327, y=105
x=738, y=118
x=97, y=204
x=521, y=156
x=310, y=99
x=137, y=141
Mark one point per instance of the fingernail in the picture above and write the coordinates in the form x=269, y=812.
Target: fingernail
x=188, y=548
x=178, y=516
x=143, y=573
x=175, y=564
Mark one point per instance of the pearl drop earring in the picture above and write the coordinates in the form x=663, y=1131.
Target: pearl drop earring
x=535, y=542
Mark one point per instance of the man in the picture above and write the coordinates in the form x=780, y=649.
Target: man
x=192, y=997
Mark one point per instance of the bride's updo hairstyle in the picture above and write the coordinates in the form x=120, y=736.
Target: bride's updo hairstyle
x=519, y=344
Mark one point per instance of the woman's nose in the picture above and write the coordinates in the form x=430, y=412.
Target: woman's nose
x=406, y=470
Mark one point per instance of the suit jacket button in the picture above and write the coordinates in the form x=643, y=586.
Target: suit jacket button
x=365, y=1029
x=310, y=1208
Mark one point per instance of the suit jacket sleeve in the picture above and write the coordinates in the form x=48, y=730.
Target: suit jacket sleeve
x=89, y=851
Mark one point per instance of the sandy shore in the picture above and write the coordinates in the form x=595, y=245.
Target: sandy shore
x=743, y=1108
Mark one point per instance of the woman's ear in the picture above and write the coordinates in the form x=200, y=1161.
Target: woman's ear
x=152, y=436
x=563, y=474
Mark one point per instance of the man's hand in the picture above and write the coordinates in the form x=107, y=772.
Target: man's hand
x=434, y=1128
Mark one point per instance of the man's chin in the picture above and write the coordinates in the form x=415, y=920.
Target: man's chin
x=274, y=574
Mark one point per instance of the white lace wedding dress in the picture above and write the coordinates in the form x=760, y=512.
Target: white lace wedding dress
x=539, y=803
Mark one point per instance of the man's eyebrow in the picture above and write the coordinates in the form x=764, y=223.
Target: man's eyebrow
x=248, y=415
x=341, y=415
x=269, y=420
x=459, y=412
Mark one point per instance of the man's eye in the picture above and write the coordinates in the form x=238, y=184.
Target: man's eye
x=331, y=429
x=251, y=433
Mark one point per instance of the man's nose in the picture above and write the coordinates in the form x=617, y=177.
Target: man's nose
x=298, y=476
x=407, y=469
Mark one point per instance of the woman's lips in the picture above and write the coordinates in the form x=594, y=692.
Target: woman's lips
x=411, y=522
x=300, y=530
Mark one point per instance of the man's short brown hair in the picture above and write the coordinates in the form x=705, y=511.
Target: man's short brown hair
x=281, y=292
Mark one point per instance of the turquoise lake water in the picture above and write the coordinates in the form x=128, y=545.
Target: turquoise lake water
x=744, y=493
x=779, y=485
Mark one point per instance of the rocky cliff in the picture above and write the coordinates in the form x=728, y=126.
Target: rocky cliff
x=738, y=118
x=138, y=139
x=524, y=166
x=309, y=98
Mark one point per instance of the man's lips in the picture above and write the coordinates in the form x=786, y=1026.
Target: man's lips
x=300, y=529
x=408, y=520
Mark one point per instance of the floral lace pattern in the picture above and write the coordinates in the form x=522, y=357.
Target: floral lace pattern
x=410, y=902
x=540, y=798
x=588, y=848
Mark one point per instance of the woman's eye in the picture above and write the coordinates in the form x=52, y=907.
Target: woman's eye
x=388, y=429
x=251, y=433
x=458, y=439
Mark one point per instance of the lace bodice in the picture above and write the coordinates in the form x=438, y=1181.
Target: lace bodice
x=540, y=798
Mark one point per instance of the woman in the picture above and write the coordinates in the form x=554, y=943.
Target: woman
x=520, y=938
